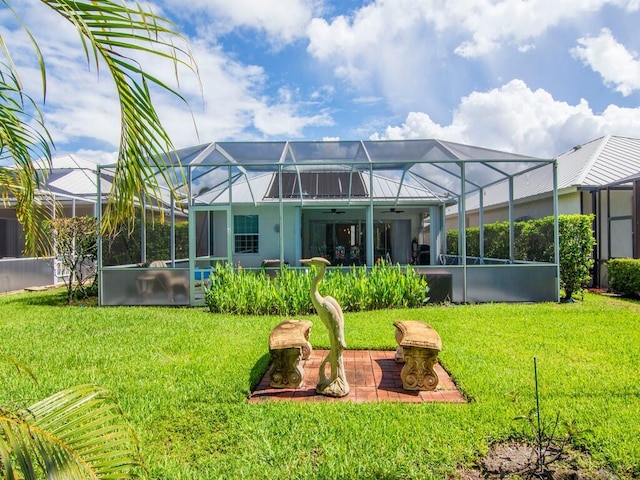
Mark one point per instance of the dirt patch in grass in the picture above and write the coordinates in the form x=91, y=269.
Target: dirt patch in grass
x=514, y=460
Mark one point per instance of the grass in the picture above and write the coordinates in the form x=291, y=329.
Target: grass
x=183, y=376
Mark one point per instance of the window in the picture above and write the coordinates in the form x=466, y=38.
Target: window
x=245, y=231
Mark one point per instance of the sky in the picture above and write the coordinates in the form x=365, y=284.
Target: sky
x=533, y=77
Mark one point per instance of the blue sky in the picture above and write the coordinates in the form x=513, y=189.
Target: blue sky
x=534, y=77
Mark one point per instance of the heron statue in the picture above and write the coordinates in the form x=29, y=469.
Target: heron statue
x=331, y=315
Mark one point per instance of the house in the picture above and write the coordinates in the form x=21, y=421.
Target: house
x=265, y=204
x=69, y=189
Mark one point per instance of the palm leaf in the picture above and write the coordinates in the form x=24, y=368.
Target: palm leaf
x=78, y=433
x=112, y=34
x=115, y=34
x=20, y=141
x=20, y=367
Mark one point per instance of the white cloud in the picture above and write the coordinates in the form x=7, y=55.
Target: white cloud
x=400, y=50
x=518, y=119
x=617, y=66
x=98, y=156
x=282, y=21
x=81, y=105
x=393, y=54
x=233, y=102
x=396, y=47
x=493, y=24
x=363, y=43
x=284, y=120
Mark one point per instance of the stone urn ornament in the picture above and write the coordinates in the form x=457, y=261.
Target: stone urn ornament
x=330, y=313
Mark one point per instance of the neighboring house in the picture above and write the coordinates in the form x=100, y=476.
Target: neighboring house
x=599, y=177
x=70, y=185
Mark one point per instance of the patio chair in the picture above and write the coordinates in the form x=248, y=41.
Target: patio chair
x=171, y=284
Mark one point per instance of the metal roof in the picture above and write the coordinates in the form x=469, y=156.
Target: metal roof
x=395, y=170
x=434, y=166
x=599, y=162
x=69, y=177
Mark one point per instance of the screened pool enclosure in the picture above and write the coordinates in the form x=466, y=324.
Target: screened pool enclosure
x=267, y=204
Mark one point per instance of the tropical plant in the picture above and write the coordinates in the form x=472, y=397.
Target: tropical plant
x=242, y=291
x=56, y=437
x=114, y=35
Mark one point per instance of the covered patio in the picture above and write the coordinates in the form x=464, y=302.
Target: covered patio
x=268, y=204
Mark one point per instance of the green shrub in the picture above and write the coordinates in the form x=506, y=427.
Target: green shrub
x=576, y=252
x=250, y=292
x=124, y=248
x=624, y=276
x=496, y=241
x=534, y=240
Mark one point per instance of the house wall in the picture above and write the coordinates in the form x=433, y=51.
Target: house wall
x=536, y=208
x=614, y=227
x=296, y=233
x=11, y=238
x=402, y=233
x=11, y=235
x=269, y=235
x=616, y=224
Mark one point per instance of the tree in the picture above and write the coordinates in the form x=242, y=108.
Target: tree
x=576, y=252
x=76, y=248
x=113, y=35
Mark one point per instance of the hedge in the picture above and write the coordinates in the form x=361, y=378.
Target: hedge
x=125, y=249
x=624, y=276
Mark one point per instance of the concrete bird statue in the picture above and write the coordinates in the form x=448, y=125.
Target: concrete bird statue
x=330, y=313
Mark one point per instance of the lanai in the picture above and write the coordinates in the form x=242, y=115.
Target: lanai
x=251, y=202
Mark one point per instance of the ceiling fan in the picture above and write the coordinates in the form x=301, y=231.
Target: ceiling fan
x=335, y=211
x=393, y=210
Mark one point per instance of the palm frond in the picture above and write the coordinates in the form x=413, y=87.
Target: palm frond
x=78, y=433
x=20, y=141
x=115, y=34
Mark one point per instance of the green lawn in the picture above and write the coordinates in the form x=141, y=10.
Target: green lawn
x=183, y=377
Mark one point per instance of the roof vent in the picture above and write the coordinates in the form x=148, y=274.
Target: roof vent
x=577, y=147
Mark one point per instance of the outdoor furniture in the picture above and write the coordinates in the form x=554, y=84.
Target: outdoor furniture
x=171, y=283
x=288, y=344
x=418, y=348
x=145, y=283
